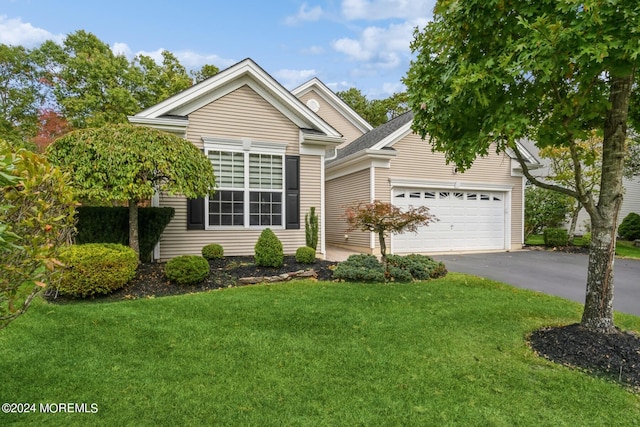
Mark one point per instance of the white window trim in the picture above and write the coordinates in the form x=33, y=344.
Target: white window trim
x=246, y=146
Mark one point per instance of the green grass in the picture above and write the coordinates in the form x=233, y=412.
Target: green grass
x=446, y=352
x=624, y=248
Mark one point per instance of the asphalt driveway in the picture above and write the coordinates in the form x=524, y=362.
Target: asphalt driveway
x=553, y=273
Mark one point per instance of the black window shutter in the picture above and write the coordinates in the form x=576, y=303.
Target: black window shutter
x=292, y=188
x=195, y=214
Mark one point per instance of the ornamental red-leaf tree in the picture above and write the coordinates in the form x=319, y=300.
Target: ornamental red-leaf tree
x=383, y=218
x=52, y=125
x=489, y=73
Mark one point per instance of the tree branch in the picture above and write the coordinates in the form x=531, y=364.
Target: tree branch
x=534, y=180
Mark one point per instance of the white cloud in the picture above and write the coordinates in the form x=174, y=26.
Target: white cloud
x=305, y=14
x=391, y=88
x=387, y=9
x=122, y=49
x=380, y=47
x=195, y=60
x=189, y=59
x=293, y=78
x=14, y=32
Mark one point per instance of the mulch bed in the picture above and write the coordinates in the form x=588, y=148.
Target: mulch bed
x=150, y=280
x=615, y=356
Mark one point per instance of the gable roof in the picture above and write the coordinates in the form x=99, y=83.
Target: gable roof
x=334, y=100
x=384, y=136
x=172, y=113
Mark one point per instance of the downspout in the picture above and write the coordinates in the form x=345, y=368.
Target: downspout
x=323, y=248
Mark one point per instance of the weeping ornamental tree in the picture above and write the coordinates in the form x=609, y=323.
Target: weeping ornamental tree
x=488, y=73
x=127, y=163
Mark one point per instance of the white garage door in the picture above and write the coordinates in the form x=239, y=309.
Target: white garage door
x=468, y=220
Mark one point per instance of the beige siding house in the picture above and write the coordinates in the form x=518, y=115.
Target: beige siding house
x=480, y=209
x=277, y=153
x=267, y=149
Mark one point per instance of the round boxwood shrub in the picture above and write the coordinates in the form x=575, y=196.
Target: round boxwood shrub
x=360, y=268
x=213, y=251
x=586, y=239
x=96, y=268
x=306, y=255
x=187, y=269
x=268, y=250
x=629, y=228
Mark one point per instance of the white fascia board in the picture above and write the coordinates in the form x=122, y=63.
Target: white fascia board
x=316, y=144
x=334, y=100
x=394, y=137
x=448, y=185
x=198, y=90
x=177, y=126
x=516, y=169
x=359, y=161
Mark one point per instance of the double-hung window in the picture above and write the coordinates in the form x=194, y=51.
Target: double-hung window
x=250, y=190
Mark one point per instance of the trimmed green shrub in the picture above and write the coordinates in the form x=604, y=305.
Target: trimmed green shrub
x=306, y=255
x=555, y=237
x=586, y=239
x=366, y=268
x=360, y=268
x=311, y=228
x=415, y=266
x=96, y=268
x=213, y=251
x=187, y=269
x=629, y=228
x=268, y=250
x=107, y=224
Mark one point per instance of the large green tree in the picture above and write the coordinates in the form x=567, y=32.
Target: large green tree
x=206, y=71
x=488, y=73
x=20, y=95
x=91, y=84
x=126, y=163
x=375, y=111
x=154, y=82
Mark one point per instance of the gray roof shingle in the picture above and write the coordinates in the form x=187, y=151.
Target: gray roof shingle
x=374, y=136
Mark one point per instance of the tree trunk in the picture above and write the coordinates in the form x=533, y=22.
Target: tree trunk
x=134, y=241
x=574, y=219
x=598, y=307
x=383, y=245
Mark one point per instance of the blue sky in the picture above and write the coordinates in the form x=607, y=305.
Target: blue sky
x=345, y=43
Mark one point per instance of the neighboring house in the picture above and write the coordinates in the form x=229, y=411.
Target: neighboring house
x=630, y=202
x=274, y=155
x=267, y=149
x=480, y=209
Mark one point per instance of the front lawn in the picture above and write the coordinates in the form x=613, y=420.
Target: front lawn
x=624, y=248
x=450, y=351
